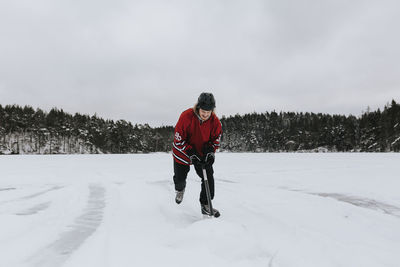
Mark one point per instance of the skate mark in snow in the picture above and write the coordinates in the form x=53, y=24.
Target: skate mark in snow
x=7, y=188
x=32, y=195
x=363, y=203
x=41, y=192
x=356, y=201
x=35, y=209
x=82, y=228
x=225, y=181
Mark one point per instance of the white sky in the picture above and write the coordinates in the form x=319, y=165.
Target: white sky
x=147, y=61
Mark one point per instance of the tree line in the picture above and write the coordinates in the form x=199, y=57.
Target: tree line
x=24, y=130
x=373, y=131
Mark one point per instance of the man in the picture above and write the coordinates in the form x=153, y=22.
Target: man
x=197, y=137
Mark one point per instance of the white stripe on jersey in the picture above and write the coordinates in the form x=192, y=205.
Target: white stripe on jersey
x=181, y=143
x=180, y=150
x=184, y=161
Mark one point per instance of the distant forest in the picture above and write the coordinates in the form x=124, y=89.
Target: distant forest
x=24, y=130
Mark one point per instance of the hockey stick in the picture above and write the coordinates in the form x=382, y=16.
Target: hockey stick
x=207, y=190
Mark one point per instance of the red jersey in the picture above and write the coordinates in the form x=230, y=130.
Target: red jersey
x=192, y=132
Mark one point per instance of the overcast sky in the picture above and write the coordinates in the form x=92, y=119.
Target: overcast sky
x=147, y=61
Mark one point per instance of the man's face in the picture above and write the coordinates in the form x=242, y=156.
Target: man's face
x=204, y=114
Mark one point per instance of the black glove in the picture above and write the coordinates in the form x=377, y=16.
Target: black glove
x=194, y=157
x=210, y=158
x=208, y=152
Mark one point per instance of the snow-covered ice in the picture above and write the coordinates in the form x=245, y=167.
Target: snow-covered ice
x=334, y=209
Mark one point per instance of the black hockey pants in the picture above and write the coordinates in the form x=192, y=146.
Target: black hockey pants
x=180, y=175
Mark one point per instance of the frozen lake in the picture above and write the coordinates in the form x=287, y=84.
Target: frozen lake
x=333, y=209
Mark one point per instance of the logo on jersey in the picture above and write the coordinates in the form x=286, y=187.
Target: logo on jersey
x=178, y=137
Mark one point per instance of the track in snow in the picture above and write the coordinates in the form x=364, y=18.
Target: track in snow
x=83, y=227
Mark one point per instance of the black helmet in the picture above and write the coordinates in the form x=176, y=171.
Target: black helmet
x=206, y=101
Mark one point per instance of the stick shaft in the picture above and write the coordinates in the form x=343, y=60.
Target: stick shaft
x=206, y=185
